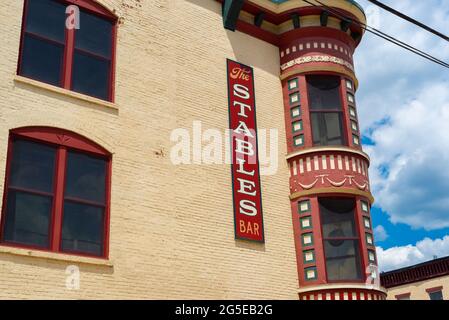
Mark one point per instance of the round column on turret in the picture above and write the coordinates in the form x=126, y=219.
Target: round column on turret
x=329, y=182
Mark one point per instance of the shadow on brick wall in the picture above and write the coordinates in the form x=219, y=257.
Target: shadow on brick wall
x=246, y=49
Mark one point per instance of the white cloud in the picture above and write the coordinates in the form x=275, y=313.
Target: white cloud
x=410, y=158
x=403, y=106
x=388, y=74
x=380, y=234
x=424, y=250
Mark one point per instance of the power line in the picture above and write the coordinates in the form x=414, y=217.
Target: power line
x=409, y=19
x=382, y=34
x=385, y=36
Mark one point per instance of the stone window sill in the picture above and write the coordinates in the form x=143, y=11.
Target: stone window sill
x=6, y=250
x=65, y=92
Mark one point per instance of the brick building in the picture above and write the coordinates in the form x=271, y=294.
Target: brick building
x=93, y=205
x=424, y=281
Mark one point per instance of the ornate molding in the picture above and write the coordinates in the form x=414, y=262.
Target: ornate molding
x=305, y=68
x=334, y=190
x=62, y=139
x=308, y=186
x=317, y=58
x=364, y=186
x=286, y=6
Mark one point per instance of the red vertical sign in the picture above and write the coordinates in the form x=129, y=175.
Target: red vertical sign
x=245, y=165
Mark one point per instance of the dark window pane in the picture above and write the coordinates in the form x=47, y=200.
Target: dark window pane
x=338, y=224
x=337, y=217
x=333, y=127
x=94, y=35
x=327, y=128
x=86, y=177
x=32, y=166
x=46, y=18
x=91, y=75
x=42, y=60
x=437, y=295
x=82, y=228
x=27, y=218
x=342, y=260
x=324, y=92
x=316, y=127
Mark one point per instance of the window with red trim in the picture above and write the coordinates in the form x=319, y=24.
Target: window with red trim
x=340, y=239
x=56, y=194
x=435, y=293
x=404, y=296
x=326, y=113
x=79, y=59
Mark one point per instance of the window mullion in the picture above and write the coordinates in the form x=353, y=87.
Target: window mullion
x=59, y=198
x=323, y=130
x=68, y=58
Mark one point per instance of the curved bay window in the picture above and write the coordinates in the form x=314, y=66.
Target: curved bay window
x=58, y=51
x=56, y=193
x=326, y=114
x=340, y=239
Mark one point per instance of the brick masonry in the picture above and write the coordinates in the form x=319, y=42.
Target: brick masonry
x=417, y=290
x=172, y=228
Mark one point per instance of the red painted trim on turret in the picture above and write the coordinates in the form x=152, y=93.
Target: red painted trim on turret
x=257, y=32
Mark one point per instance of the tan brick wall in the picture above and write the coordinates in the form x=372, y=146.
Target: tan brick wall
x=171, y=226
x=418, y=290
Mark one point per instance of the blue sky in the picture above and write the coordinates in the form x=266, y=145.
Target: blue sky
x=403, y=106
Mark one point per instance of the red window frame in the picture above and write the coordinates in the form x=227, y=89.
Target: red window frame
x=63, y=141
x=91, y=7
x=433, y=290
x=403, y=296
x=357, y=238
x=339, y=111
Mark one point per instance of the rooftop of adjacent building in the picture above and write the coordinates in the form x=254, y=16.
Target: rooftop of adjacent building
x=423, y=271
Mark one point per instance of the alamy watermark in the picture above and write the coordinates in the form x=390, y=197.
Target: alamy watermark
x=372, y=276
x=73, y=279
x=73, y=20
x=373, y=16
x=213, y=147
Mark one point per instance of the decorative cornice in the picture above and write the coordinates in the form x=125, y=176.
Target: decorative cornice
x=329, y=190
x=348, y=6
x=416, y=273
x=308, y=68
x=337, y=184
x=231, y=11
x=277, y=18
x=317, y=58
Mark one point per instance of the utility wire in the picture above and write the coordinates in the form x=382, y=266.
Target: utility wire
x=409, y=19
x=381, y=34
x=384, y=35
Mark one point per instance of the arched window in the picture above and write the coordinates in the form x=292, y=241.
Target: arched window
x=57, y=192
x=70, y=47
